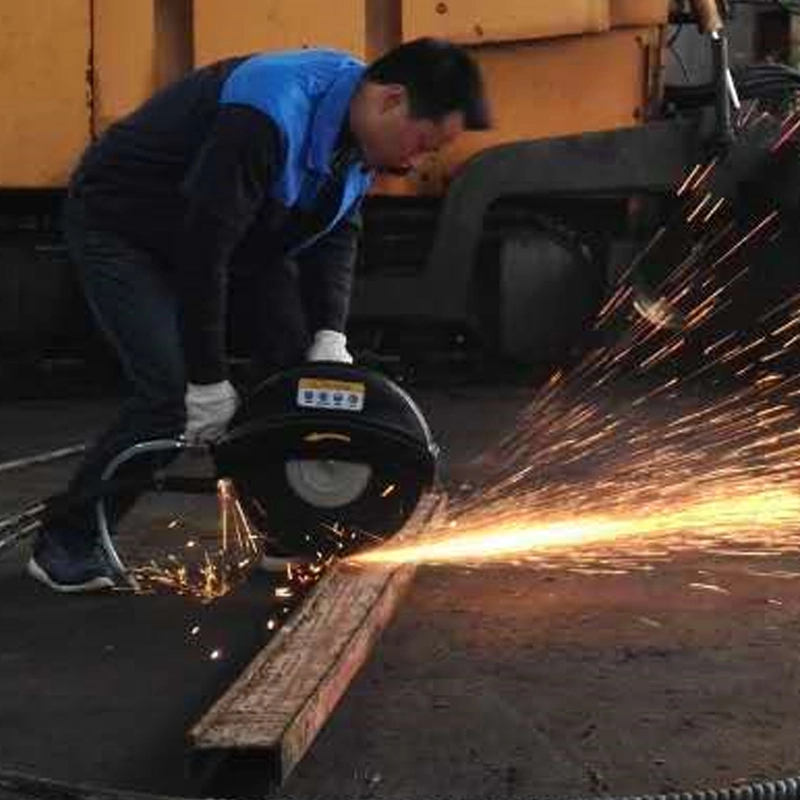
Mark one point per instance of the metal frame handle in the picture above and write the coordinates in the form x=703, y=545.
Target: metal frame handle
x=153, y=446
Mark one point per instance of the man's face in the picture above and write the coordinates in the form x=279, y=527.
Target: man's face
x=391, y=139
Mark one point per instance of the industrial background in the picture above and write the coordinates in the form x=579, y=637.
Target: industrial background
x=535, y=287
x=445, y=268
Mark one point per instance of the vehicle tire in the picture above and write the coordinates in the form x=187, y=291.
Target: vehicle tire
x=551, y=286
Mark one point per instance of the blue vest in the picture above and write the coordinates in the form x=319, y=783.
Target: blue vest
x=307, y=94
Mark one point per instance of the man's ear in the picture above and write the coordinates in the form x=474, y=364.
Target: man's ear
x=393, y=96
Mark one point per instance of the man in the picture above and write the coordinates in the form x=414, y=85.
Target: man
x=253, y=165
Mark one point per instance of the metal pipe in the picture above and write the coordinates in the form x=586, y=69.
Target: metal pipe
x=42, y=458
x=733, y=92
x=719, y=50
x=18, y=527
x=155, y=446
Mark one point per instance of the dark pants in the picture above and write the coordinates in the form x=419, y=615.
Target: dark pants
x=133, y=302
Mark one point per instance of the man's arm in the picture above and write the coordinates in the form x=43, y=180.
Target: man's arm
x=327, y=270
x=224, y=189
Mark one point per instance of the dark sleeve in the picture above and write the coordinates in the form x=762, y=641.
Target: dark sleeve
x=224, y=188
x=326, y=275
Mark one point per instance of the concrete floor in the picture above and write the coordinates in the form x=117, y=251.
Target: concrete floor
x=504, y=681
x=102, y=689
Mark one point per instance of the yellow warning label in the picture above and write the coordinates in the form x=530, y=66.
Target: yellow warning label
x=322, y=393
x=313, y=438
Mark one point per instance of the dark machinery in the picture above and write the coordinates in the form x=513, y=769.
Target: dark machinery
x=508, y=254
x=326, y=459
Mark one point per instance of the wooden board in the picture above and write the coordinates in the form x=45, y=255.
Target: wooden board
x=276, y=708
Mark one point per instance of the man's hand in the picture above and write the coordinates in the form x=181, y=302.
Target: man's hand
x=329, y=346
x=209, y=409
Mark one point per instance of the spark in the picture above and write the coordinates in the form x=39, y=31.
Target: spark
x=709, y=587
x=700, y=206
x=224, y=495
x=601, y=475
x=729, y=514
x=688, y=180
x=771, y=217
x=789, y=132
x=716, y=207
x=215, y=655
x=212, y=571
x=704, y=174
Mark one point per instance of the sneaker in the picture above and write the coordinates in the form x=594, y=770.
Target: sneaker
x=69, y=570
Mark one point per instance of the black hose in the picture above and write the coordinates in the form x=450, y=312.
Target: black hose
x=31, y=787
x=781, y=789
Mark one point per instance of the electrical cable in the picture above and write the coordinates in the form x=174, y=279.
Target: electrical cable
x=675, y=54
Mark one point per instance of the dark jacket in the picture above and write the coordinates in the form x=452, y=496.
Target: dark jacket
x=249, y=158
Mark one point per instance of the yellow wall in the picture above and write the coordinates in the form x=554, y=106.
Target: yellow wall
x=479, y=21
x=552, y=87
x=638, y=12
x=232, y=27
x=45, y=122
x=139, y=46
x=235, y=27
x=124, y=57
x=592, y=79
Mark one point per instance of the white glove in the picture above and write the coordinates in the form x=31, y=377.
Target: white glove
x=209, y=409
x=329, y=346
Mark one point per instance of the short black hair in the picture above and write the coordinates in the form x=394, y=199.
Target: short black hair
x=440, y=78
